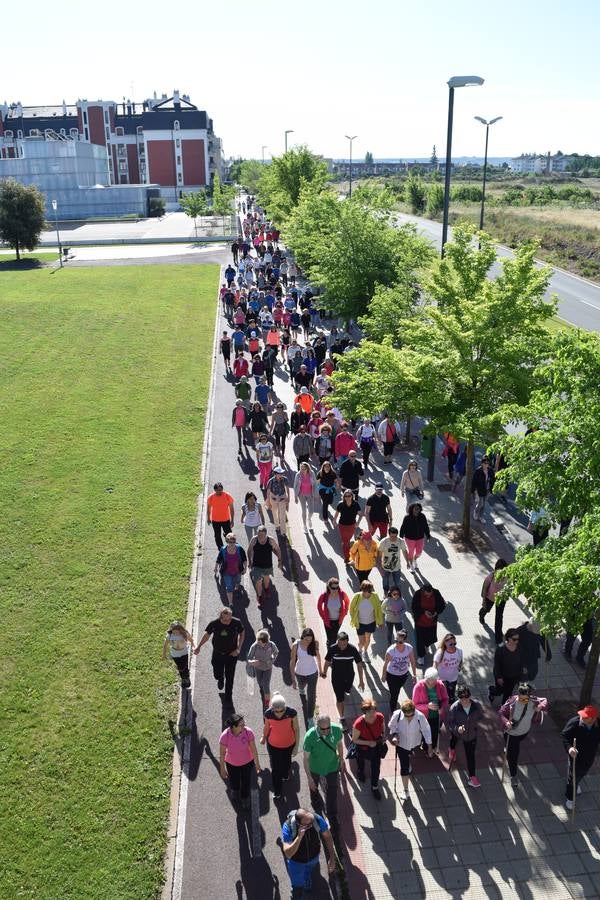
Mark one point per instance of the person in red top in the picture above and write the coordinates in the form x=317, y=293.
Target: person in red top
x=344, y=443
x=305, y=400
x=332, y=606
x=368, y=735
x=327, y=367
x=240, y=366
x=450, y=451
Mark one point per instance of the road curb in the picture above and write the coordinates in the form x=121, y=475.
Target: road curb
x=178, y=800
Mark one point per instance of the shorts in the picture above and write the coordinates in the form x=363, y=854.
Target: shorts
x=341, y=687
x=369, y=628
x=258, y=573
x=231, y=582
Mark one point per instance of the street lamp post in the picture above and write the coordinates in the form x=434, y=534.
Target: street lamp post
x=55, y=208
x=351, y=138
x=285, y=134
x=487, y=134
x=264, y=147
x=455, y=82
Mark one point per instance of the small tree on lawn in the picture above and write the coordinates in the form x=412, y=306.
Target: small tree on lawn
x=369, y=158
x=282, y=182
x=560, y=579
x=435, y=199
x=22, y=215
x=194, y=205
x=434, y=157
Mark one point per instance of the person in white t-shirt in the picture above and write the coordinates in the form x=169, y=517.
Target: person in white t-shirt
x=448, y=660
x=398, y=659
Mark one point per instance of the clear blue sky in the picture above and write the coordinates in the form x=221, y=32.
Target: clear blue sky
x=326, y=69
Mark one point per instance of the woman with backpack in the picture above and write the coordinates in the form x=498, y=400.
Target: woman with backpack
x=231, y=563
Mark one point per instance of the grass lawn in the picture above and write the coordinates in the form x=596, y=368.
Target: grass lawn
x=104, y=378
x=28, y=260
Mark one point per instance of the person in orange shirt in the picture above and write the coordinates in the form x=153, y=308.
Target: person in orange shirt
x=305, y=400
x=220, y=513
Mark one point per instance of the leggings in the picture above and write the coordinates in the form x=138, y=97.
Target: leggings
x=239, y=778
x=281, y=760
x=512, y=751
x=183, y=666
x=326, y=499
x=395, y=683
x=347, y=537
x=469, y=752
x=308, y=683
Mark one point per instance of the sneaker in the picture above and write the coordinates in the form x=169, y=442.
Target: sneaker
x=185, y=682
x=481, y=617
x=365, y=655
x=569, y=804
x=302, y=691
x=375, y=792
x=451, y=755
x=403, y=795
x=491, y=694
x=221, y=684
x=360, y=776
x=420, y=661
x=276, y=796
x=474, y=782
x=343, y=725
x=514, y=782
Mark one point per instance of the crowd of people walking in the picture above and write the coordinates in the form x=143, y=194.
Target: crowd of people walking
x=275, y=341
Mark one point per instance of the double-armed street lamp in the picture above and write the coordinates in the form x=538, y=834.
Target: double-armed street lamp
x=285, y=134
x=456, y=82
x=487, y=134
x=350, y=138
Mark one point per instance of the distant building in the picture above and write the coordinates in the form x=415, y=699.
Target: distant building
x=540, y=164
x=360, y=168
x=75, y=174
x=166, y=141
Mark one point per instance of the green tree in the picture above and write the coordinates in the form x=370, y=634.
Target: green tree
x=369, y=158
x=222, y=197
x=194, y=205
x=556, y=466
x=281, y=183
x=251, y=171
x=22, y=215
x=469, y=347
x=434, y=157
x=416, y=194
x=435, y=199
x=560, y=579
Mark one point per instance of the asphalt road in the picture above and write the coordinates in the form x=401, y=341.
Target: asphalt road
x=227, y=853
x=578, y=299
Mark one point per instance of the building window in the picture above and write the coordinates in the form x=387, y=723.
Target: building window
x=176, y=125
x=19, y=133
x=179, y=177
x=63, y=131
x=74, y=133
x=177, y=142
x=85, y=117
x=106, y=116
x=119, y=130
x=9, y=134
x=140, y=129
x=178, y=160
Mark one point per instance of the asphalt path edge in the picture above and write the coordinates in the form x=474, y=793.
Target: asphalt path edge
x=173, y=862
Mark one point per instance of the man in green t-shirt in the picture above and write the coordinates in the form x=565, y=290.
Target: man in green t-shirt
x=324, y=759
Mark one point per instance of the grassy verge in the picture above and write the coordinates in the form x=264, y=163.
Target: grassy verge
x=28, y=260
x=574, y=247
x=103, y=387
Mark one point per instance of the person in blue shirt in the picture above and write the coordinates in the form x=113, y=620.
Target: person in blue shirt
x=263, y=393
x=239, y=338
x=301, y=837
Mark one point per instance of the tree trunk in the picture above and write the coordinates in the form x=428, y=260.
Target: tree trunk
x=17, y=250
x=466, y=516
x=407, y=441
x=587, y=688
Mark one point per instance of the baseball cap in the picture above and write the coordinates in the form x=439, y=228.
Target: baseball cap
x=342, y=636
x=588, y=712
x=278, y=470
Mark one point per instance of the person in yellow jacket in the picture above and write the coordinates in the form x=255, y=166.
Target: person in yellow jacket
x=363, y=554
x=366, y=615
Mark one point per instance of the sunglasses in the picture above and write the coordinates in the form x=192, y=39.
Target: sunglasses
x=334, y=585
x=327, y=728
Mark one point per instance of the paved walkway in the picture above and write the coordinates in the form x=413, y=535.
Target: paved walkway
x=448, y=841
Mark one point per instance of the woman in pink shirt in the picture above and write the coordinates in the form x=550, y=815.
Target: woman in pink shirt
x=305, y=485
x=237, y=748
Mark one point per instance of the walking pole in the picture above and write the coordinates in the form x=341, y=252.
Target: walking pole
x=574, y=782
x=506, y=746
